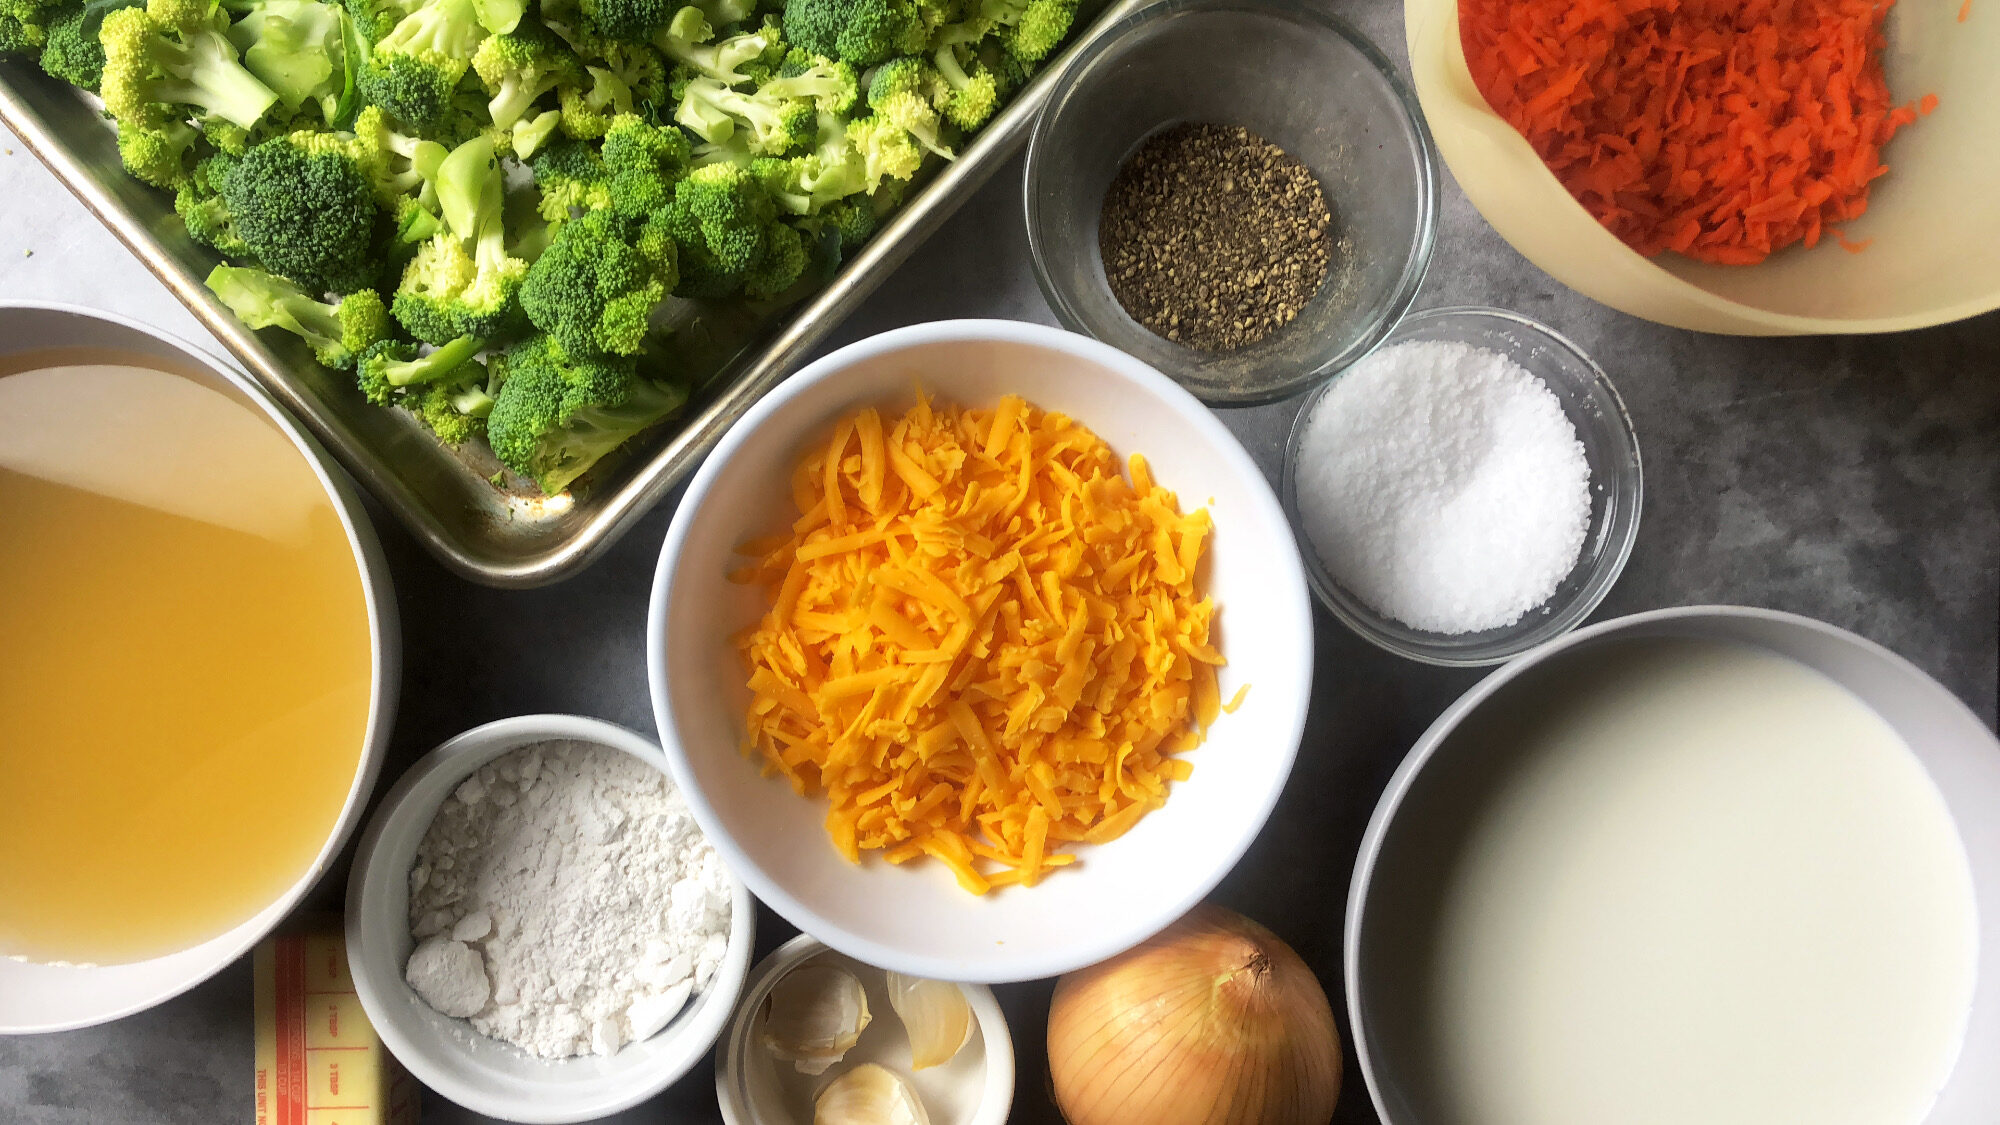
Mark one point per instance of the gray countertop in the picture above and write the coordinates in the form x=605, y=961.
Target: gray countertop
x=1853, y=480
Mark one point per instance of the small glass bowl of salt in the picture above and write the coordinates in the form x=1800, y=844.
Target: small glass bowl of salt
x=1467, y=491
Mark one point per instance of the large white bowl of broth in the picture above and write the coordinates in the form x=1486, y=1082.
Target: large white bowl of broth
x=201, y=670
x=1705, y=864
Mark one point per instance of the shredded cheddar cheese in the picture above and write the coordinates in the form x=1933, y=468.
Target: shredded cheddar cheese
x=984, y=642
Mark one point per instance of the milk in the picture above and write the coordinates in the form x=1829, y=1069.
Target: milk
x=1700, y=884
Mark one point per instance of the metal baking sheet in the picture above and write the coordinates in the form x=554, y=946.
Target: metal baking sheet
x=494, y=535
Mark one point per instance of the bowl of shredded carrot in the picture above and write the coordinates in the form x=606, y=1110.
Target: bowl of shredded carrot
x=1743, y=166
x=981, y=650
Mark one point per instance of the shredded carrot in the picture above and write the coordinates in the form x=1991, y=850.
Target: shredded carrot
x=1723, y=130
x=984, y=642
x=1965, y=11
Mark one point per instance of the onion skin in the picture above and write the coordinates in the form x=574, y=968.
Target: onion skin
x=1215, y=1021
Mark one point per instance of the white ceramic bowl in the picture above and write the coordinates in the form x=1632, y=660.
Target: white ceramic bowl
x=35, y=998
x=1959, y=752
x=975, y=1088
x=445, y=1054
x=915, y=919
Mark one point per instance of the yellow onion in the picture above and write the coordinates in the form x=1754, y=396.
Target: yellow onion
x=1213, y=1021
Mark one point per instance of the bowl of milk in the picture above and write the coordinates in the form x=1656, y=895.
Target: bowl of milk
x=1704, y=864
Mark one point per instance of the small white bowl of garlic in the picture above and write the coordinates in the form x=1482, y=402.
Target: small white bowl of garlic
x=822, y=1039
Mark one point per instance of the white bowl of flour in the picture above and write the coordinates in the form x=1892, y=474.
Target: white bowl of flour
x=536, y=926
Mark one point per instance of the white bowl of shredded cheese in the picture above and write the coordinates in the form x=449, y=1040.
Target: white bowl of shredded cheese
x=541, y=976
x=915, y=917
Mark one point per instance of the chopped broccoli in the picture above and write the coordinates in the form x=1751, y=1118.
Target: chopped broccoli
x=775, y=125
x=732, y=61
x=24, y=25
x=519, y=67
x=337, y=333
x=596, y=286
x=455, y=409
x=389, y=368
x=1030, y=29
x=642, y=163
x=888, y=152
x=162, y=64
x=830, y=83
x=587, y=109
x=779, y=266
x=305, y=210
x=906, y=91
x=72, y=51
x=559, y=414
x=722, y=209
x=631, y=20
x=303, y=50
x=571, y=177
x=861, y=32
x=463, y=282
x=375, y=19
x=973, y=94
x=199, y=203
x=415, y=68
x=802, y=185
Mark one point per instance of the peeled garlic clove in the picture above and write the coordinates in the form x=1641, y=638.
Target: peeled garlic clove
x=814, y=1015
x=869, y=1095
x=935, y=1014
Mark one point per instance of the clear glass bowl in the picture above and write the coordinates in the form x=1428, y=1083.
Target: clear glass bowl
x=1616, y=487
x=1304, y=81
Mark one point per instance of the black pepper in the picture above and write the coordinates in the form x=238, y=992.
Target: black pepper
x=1214, y=237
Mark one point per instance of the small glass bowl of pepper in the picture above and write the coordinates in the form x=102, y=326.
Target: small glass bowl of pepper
x=1170, y=202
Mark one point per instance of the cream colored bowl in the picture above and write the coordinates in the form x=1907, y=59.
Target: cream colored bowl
x=1934, y=218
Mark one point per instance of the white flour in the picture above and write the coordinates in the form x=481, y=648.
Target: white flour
x=564, y=901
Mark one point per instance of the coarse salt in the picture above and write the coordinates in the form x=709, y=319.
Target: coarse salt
x=1443, y=485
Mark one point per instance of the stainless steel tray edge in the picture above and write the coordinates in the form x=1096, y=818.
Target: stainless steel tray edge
x=480, y=533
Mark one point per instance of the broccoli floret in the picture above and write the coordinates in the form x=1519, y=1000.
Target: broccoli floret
x=303, y=50
x=630, y=20
x=375, y=19
x=388, y=369
x=906, y=91
x=731, y=61
x=337, y=332
x=722, y=209
x=24, y=26
x=888, y=152
x=596, y=286
x=305, y=209
x=519, y=67
x=830, y=83
x=974, y=93
x=396, y=164
x=783, y=260
x=463, y=282
x=531, y=133
x=1030, y=29
x=432, y=282
x=690, y=25
x=802, y=185
x=199, y=203
x=722, y=13
x=456, y=410
x=774, y=125
x=587, y=109
x=162, y=64
x=861, y=32
x=571, y=176
x=642, y=163
x=158, y=149
x=558, y=414
x=72, y=51
x=414, y=69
